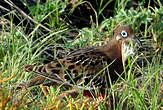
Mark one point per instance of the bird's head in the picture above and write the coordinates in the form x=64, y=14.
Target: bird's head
x=126, y=38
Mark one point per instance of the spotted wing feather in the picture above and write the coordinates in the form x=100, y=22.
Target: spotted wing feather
x=80, y=67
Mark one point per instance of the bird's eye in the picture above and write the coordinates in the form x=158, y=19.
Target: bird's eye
x=124, y=34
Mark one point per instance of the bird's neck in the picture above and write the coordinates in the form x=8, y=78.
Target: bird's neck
x=113, y=50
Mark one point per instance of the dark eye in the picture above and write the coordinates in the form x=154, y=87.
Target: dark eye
x=124, y=34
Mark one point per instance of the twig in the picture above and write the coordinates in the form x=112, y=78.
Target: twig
x=3, y=8
x=25, y=15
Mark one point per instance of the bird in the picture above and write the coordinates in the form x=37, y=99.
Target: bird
x=91, y=67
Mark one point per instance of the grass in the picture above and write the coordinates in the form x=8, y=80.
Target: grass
x=18, y=49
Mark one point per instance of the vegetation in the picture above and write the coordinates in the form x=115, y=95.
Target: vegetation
x=18, y=49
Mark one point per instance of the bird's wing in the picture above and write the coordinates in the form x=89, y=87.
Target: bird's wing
x=80, y=67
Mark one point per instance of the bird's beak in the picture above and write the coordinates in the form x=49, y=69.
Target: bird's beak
x=136, y=39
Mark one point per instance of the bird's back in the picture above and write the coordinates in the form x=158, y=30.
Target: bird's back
x=86, y=66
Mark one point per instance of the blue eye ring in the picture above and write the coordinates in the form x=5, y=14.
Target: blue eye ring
x=124, y=34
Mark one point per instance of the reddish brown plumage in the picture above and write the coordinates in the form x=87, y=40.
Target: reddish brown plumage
x=91, y=67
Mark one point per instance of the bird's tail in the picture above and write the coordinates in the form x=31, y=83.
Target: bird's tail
x=46, y=71
x=29, y=68
x=38, y=69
